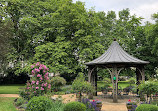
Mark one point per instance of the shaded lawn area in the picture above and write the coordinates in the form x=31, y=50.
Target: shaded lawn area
x=123, y=84
x=11, y=88
x=6, y=104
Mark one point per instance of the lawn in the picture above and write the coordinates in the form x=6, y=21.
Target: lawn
x=11, y=89
x=6, y=104
x=123, y=84
x=15, y=88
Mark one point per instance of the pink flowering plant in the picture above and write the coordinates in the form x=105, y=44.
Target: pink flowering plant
x=39, y=83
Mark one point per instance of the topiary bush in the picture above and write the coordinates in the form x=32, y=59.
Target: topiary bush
x=57, y=82
x=75, y=106
x=40, y=103
x=147, y=107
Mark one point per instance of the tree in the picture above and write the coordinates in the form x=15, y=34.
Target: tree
x=64, y=35
x=5, y=37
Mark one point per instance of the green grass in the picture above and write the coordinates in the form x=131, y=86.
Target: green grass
x=11, y=89
x=123, y=84
x=6, y=104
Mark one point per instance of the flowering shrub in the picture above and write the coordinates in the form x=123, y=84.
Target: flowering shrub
x=97, y=101
x=133, y=103
x=91, y=105
x=38, y=85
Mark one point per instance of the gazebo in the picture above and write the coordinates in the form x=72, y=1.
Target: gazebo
x=115, y=59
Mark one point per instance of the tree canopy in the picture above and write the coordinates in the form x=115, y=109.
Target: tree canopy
x=64, y=35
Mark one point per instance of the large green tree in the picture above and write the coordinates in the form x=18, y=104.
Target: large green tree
x=64, y=35
x=5, y=38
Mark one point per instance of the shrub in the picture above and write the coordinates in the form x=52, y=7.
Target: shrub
x=122, y=78
x=148, y=88
x=39, y=84
x=67, y=89
x=40, y=103
x=154, y=102
x=147, y=107
x=19, y=101
x=132, y=81
x=107, y=80
x=91, y=105
x=75, y=106
x=57, y=82
x=80, y=85
x=57, y=106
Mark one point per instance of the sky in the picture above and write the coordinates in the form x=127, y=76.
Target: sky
x=141, y=8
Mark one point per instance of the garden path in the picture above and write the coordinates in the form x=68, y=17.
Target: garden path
x=108, y=105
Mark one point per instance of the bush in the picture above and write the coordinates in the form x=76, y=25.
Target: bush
x=19, y=101
x=147, y=107
x=75, y=106
x=107, y=80
x=154, y=103
x=40, y=103
x=39, y=84
x=132, y=80
x=148, y=88
x=67, y=89
x=57, y=106
x=80, y=85
x=57, y=82
x=122, y=78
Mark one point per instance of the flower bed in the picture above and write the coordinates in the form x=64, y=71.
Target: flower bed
x=131, y=105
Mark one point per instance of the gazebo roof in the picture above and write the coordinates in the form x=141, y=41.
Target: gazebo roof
x=116, y=55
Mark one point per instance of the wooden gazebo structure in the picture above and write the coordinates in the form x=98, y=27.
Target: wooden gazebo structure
x=115, y=59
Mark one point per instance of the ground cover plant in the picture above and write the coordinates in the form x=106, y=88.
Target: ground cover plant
x=6, y=104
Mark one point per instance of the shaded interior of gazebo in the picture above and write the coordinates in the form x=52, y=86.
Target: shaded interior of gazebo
x=115, y=59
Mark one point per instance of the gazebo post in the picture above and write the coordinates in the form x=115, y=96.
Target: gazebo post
x=140, y=75
x=138, y=78
x=92, y=77
x=115, y=85
x=90, y=74
x=95, y=75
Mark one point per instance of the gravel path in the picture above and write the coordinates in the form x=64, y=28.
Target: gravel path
x=108, y=105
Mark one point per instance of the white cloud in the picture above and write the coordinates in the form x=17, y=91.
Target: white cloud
x=141, y=8
x=146, y=11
